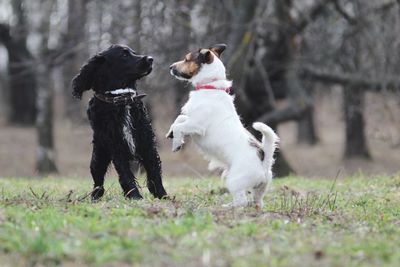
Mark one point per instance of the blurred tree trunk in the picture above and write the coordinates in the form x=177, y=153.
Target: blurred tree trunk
x=45, y=161
x=75, y=45
x=306, y=132
x=283, y=62
x=356, y=145
x=22, y=83
x=4, y=93
x=254, y=92
x=115, y=9
x=182, y=30
x=137, y=25
x=353, y=96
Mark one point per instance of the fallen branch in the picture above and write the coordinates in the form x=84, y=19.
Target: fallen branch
x=350, y=80
x=293, y=111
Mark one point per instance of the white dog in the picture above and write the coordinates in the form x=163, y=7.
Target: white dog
x=210, y=118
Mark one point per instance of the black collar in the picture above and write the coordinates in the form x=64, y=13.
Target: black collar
x=120, y=99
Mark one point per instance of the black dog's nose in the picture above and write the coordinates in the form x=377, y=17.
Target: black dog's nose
x=170, y=67
x=148, y=59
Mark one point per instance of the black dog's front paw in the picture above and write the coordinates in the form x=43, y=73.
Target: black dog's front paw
x=166, y=197
x=161, y=195
x=97, y=193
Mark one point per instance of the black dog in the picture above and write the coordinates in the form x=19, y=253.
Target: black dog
x=122, y=131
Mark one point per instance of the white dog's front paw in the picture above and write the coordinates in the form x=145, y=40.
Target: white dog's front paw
x=177, y=144
x=170, y=134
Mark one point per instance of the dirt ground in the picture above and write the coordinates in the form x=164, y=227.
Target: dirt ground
x=73, y=144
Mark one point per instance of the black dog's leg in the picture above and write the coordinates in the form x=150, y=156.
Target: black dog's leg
x=126, y=178
x=98, y=168
x=150, y=159
x=152, y=163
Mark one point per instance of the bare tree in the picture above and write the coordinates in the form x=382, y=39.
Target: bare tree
x=266, y=63
x=45, y=162
x=181, y=23
x=74, y=42
x=357, y=65
x=22, y=83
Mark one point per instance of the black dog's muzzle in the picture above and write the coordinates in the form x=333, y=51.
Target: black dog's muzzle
x=121, y=99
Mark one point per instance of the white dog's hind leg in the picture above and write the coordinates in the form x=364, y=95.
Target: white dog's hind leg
x=236, y=188
x=258, y=192
x=215, y=165
x=240, y=199
x=224, y=174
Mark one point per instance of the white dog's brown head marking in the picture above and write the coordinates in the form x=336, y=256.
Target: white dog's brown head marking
x=191, y=65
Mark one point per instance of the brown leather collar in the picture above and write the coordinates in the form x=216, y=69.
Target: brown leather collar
x=121, y=99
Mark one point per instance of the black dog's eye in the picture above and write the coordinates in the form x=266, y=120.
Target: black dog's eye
x=125, y=53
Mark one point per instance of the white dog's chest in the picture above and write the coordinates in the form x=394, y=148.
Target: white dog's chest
x=223, y=131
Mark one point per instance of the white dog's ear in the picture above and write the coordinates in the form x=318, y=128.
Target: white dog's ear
x=206, y=56
x=218, y=49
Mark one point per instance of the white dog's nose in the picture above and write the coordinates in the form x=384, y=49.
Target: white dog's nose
x=172, y=70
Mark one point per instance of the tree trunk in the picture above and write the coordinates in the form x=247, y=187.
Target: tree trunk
x=281, y=167
x=4, y=92
x=252, y=85
x=182, y=30
x=306, y=133
x=75, y=46
x=137, y=26
x=355, y=146
x=353, y=95
x=22, y=81
x=45, y=161
x=44, y=124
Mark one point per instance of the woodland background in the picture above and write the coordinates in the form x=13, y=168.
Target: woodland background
x=324, y=73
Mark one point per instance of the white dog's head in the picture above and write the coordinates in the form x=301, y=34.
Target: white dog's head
x=201, y=66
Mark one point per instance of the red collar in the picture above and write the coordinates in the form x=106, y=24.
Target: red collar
x=212, y=87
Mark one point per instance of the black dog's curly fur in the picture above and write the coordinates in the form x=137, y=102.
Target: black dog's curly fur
x=115, y=68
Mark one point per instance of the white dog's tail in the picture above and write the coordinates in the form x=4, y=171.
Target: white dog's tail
x=269, y=141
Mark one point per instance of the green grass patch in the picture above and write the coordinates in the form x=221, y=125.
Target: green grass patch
x=305, y=222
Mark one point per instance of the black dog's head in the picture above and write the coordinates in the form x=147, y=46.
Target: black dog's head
x=115, y=67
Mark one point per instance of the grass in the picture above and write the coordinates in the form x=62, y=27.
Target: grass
x=305, y=222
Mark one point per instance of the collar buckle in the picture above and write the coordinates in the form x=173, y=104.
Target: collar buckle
x=120, y=99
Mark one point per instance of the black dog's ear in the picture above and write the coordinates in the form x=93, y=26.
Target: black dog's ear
x=83, y=81
x=218, y=49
